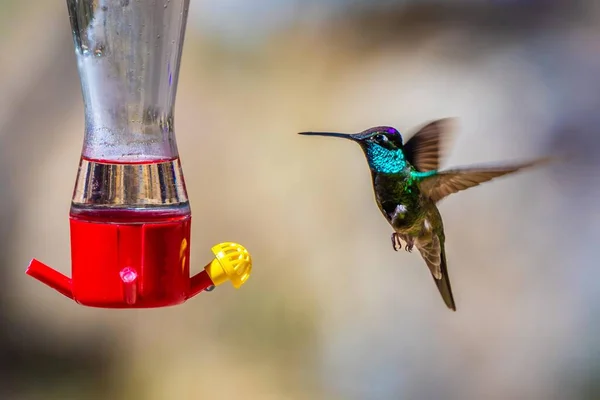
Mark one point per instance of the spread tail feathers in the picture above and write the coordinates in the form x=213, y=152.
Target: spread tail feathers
x=434, y=255
x=443, y=284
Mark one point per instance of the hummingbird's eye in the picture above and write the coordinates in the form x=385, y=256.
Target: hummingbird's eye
x=381, y=138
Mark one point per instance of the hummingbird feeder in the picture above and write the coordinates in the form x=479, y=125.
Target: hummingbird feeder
x=130, y=218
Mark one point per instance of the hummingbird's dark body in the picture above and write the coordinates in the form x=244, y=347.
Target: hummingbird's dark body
x=408, y=185
x=416, y=220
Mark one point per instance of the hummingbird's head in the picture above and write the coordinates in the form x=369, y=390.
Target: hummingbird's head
x=382, y=146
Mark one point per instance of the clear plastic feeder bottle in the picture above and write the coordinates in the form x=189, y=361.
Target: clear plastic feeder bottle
x=130, y=218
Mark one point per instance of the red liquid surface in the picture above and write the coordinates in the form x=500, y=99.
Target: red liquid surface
x=141, y=161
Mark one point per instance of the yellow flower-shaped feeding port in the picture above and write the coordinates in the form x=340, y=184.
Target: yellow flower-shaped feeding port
x=232, y=262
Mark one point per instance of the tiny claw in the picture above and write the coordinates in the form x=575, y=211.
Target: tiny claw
x=410, y=243
x=396, y=242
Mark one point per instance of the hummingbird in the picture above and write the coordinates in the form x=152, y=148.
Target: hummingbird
x=408, y=184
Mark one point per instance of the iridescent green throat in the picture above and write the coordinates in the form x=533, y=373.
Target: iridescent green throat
x=385, y=161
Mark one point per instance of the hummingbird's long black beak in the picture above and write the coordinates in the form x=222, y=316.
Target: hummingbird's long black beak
x=332, y=134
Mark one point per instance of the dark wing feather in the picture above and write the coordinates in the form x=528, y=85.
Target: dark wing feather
x=426, y=148
x=447, y=182
x=434, y=255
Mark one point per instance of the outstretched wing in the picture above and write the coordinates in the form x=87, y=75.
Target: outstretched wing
x=445, y=183
x=426, y=148
x=434, y=255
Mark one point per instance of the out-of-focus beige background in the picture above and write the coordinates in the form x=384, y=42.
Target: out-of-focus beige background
x=331, y=311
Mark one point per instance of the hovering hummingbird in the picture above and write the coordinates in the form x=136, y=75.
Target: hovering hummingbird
x=408, y=185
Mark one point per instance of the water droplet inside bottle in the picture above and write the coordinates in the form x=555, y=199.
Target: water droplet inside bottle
x=99, y=50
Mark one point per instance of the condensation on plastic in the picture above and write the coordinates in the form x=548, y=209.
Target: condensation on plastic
x=128, y=54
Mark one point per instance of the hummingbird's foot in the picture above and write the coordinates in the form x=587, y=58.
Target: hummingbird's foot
x=396, y=242
x=410, y=242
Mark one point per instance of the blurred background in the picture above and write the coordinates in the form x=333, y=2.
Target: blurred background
x=331, y=311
